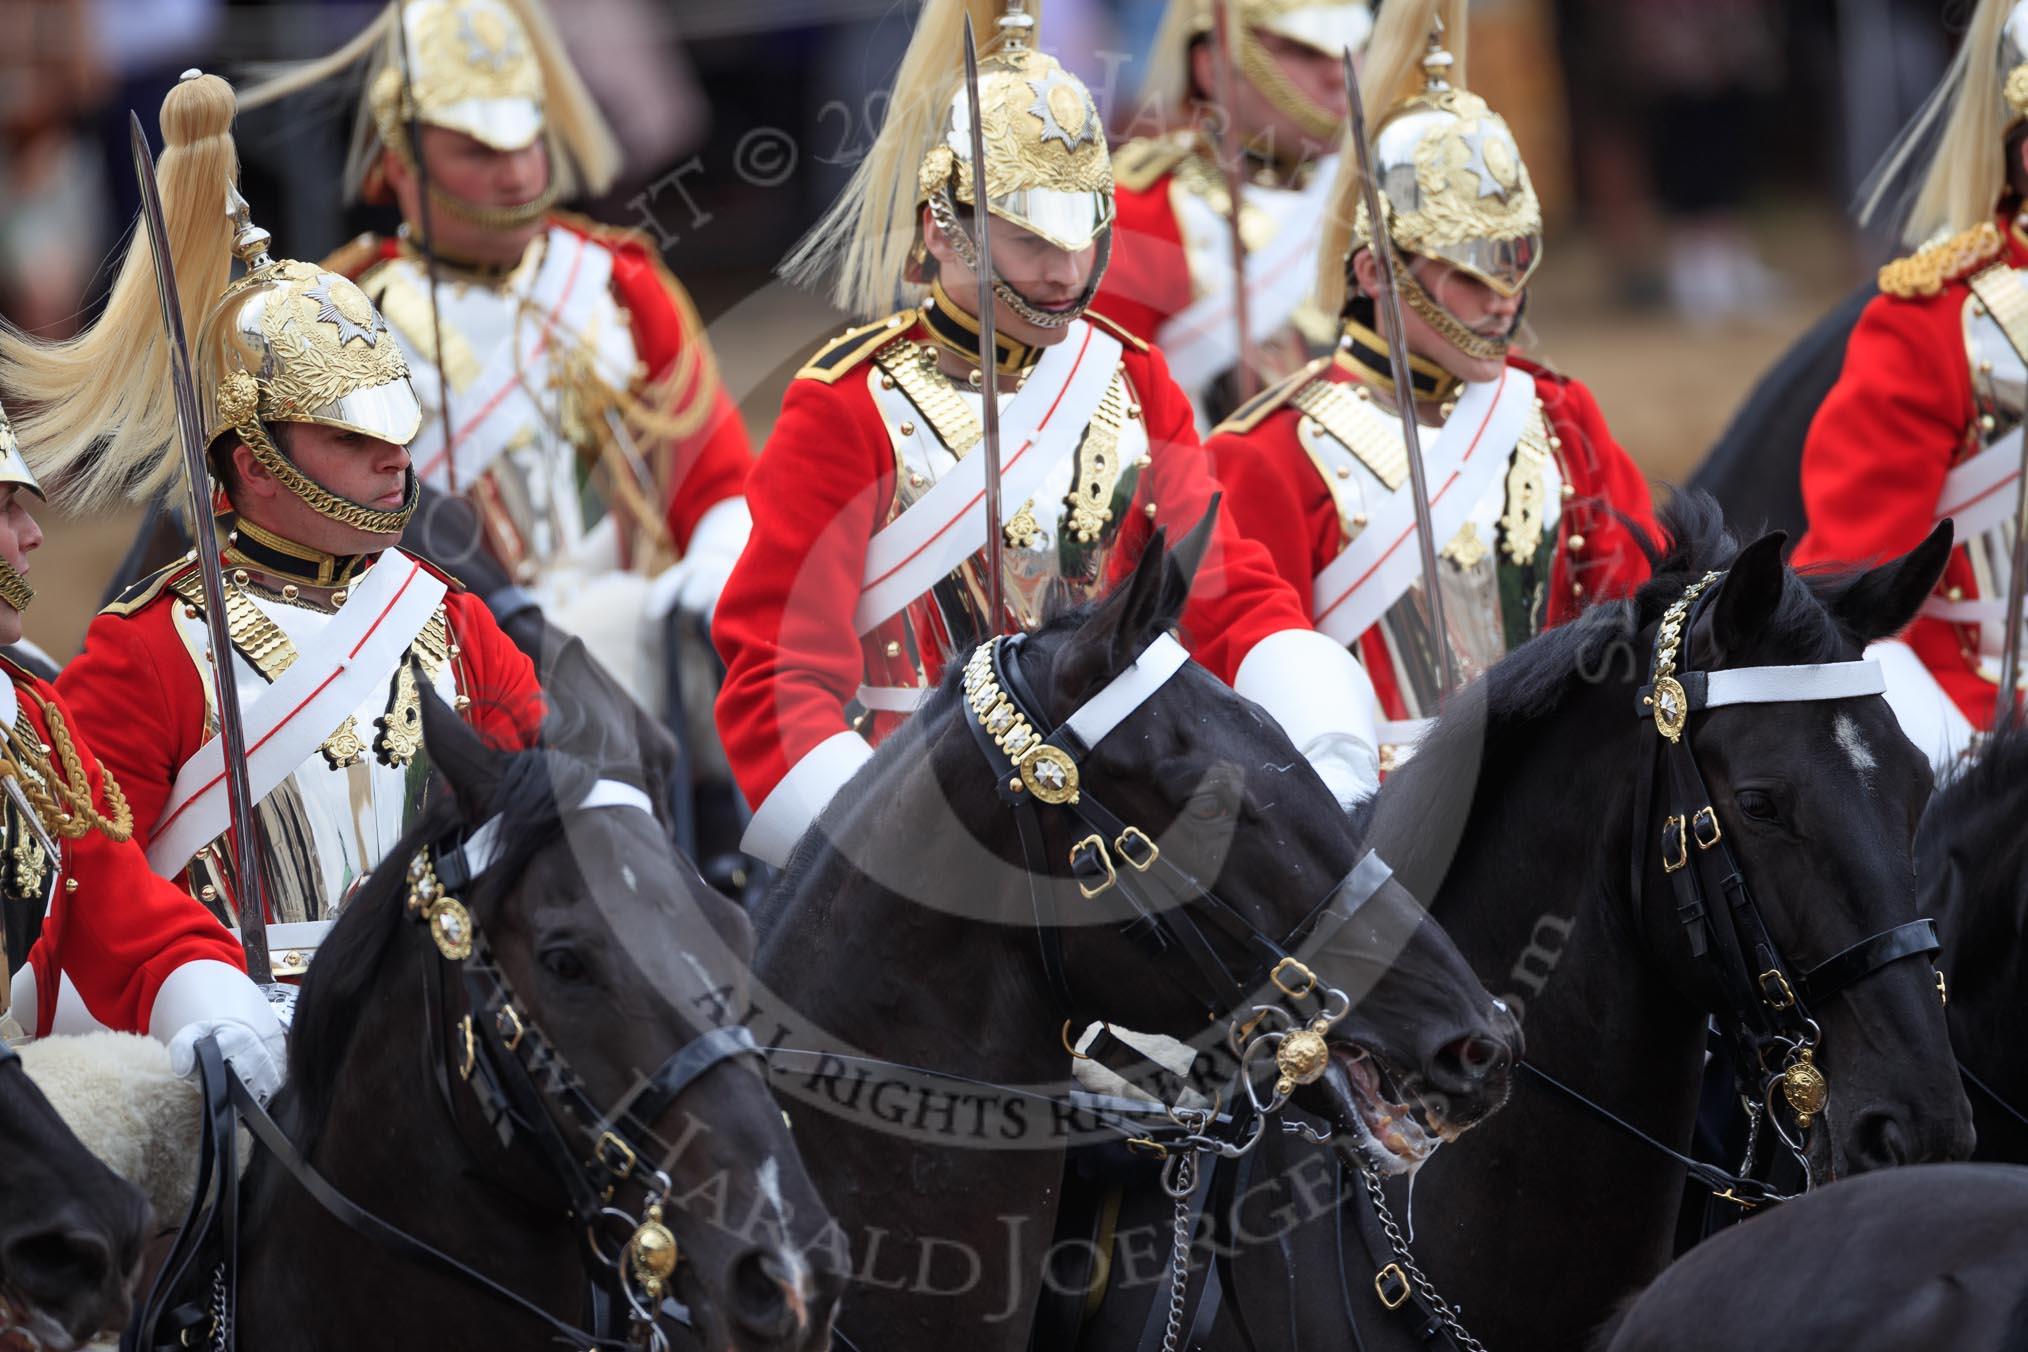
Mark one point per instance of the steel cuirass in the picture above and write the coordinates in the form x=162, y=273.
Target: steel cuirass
x=2000, y=401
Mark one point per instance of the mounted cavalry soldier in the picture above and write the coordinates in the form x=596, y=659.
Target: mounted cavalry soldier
x=566, y=382
x=83, y=910
x=1925, y=421
x=1526, y=482
x=1172, y=281
x=306, y=408
x=872, y=564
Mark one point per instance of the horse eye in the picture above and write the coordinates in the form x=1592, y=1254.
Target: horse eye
x=1210, y=805
x=1757, y=805
x=563, y=964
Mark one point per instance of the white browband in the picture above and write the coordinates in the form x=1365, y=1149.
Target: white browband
x=483, y=849
x=1785, y=685
x=1128, y=691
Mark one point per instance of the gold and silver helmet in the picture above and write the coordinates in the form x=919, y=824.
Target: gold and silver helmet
x=292, y=343
x=1047, y=166
x=14, y=471
x=1453, y=187
x=494, y=70
x=1335, y=28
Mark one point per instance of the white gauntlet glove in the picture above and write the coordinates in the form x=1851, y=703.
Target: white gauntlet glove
x=692, y=584
x=1324, y=701
x=205, y=998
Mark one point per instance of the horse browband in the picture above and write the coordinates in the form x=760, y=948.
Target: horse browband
x=1036, y=762
x=1768, y=1005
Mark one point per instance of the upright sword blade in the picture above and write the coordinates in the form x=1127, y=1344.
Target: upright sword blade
x=249, y=854
x=428, y=241
x=989, y=367
x=1232, y=153
x=1389, y=301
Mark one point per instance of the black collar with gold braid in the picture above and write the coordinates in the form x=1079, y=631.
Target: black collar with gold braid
x=1363, y=352
x=951, y=329
x=295, y=562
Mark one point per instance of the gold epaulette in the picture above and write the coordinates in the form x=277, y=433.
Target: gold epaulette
x=1140, y=163
x=1254, y=411
x=354, y=256
x=836, y=359
x=1114, y=327
x=136, y=597
x=1942, y=261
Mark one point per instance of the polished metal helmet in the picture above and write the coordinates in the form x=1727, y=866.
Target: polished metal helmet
x=1453, y=184
x=13, y=467
x=2013, y=57
x=473, y=69
x=1047, y=166
x=291, y=343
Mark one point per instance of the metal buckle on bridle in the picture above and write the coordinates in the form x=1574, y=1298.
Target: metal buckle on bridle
x=1092, y=867
x=511, y=1029
x=1776, y=991
x=1705, y=817
x=1131, y=837
x=1308, y=978
x=1391, y=1285
x=614, y=1156
x=1675, y=834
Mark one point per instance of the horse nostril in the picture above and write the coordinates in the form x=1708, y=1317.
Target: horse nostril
x=767, y=1296
x=1880, y=1141
x=54, y=1266
x=1471, y=1062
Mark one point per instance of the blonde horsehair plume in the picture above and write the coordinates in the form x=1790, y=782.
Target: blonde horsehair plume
x=584, y=155
x=1168, y=87
x=1392, y=72
x=95, y=414
x=1963, y=124
x=862, y=244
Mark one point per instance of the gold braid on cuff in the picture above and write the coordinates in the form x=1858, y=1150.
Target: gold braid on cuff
x=944, y=211
x=1448, y=326
x=322, y=500
x=14, y=588
x=1264, y=74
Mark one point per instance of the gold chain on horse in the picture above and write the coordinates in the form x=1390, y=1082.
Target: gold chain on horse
x=1405, y=1261
x=1179, y=1258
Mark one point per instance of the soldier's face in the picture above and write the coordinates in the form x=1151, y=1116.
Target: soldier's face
x=469, y=169
x=1474, y=304
x=1320, y=79
x=19, y=536
x=353, y=465
x=1048, y=278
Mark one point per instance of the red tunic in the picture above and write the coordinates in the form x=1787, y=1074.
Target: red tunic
x=1277, y=497
x=711, y=465
x=1148, y=279
x=1899, y=419
x=136, y=690
x=824, y=484
x=116, y=928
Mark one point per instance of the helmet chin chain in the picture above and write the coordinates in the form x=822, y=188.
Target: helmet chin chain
x=1448, y=326
x=14, y=588
x=944, y=212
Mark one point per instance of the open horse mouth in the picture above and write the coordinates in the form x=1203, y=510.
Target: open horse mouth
x=1388, y=1124
x=24, y=1328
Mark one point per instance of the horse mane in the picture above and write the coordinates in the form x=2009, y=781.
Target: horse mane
x=531, y=785
x=1972, y=826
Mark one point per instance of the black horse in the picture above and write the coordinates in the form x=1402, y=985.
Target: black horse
x=71, y=1230
x=508, y=1109
x=1518, y=816
x=939, y=943
x=1972, y=860
x=1904, y=1260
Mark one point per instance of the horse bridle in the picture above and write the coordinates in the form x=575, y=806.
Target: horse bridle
x=1037, y=764
x=1767, y=1005
x=515, y=1071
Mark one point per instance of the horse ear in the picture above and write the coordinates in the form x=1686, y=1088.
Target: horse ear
x=1880, y=603
x=1752, y=590
x=459, y=753
x=1184, y=561
x=595, y=719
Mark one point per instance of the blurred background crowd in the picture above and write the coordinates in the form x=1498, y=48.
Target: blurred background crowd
x=1697, y=161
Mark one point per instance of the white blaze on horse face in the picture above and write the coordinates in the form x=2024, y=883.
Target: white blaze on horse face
x=627, y=877
x=1846, y=732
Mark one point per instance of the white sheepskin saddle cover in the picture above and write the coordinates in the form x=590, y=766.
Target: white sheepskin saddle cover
x=115, y=1091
